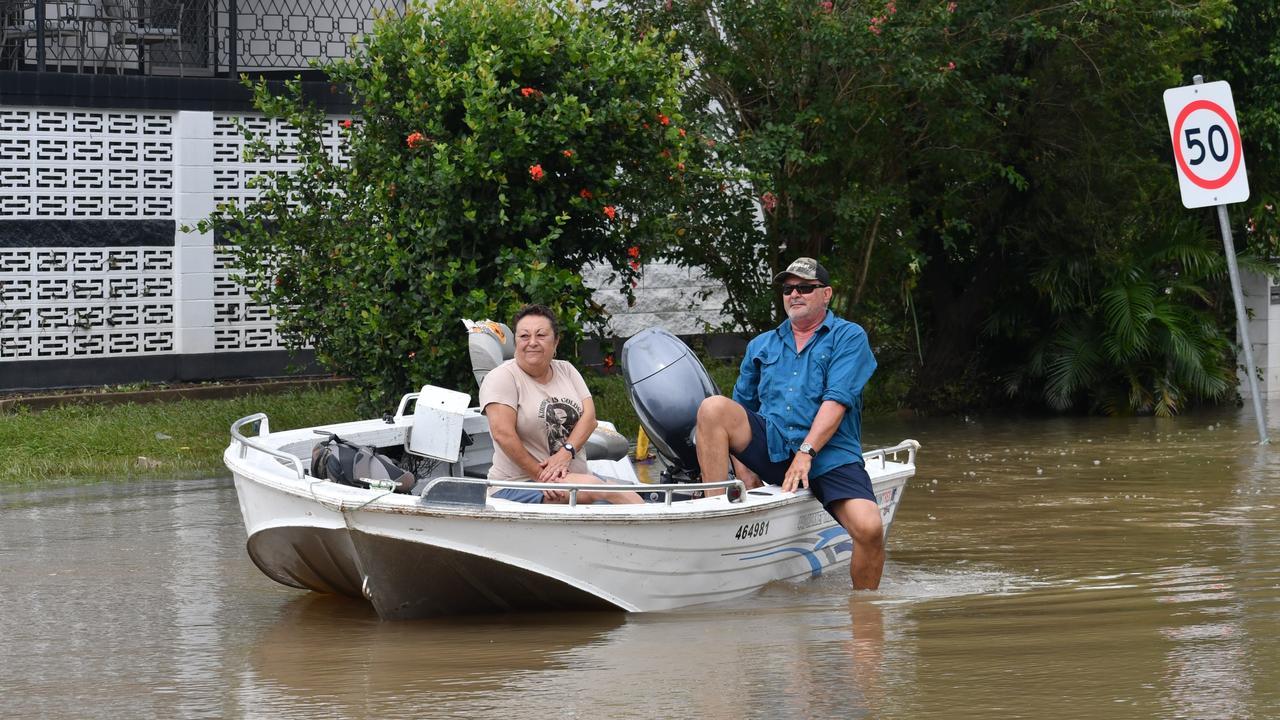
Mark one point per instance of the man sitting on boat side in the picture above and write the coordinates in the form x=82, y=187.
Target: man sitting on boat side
x=796, y=414
x=540, y=416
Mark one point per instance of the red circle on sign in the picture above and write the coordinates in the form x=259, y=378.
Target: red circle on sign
x=1235, y=150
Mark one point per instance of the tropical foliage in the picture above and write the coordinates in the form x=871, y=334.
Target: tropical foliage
x=1129, y=332
x=990, y=183
x=495, y=148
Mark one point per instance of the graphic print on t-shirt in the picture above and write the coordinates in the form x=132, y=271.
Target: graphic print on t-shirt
x=560, y=415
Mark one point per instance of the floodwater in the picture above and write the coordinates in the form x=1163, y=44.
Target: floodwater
x=1060, y=568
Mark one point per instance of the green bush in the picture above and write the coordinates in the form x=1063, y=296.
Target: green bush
x=496, y=148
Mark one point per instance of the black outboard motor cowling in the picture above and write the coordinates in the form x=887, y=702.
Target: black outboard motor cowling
x=666, y=382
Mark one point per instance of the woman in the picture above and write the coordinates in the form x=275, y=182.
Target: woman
x=540, y=416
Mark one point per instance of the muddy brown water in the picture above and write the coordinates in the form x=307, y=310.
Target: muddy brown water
x=1061, y=568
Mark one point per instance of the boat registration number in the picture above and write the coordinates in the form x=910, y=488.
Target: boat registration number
x=753, y=530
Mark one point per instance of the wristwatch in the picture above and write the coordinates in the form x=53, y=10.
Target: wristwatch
x=808, y=449
x=573, y=452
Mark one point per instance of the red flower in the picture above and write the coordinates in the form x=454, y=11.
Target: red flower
x=535, y=172
x=827, y=6
x=680, y=167
x=769, y=201
x=951, y=7
x=585, y=194
x=567, y=153
x=346, y=124
x=948, y=67
x=610, y=211
x=664, y=119
x=634, y=265
x=633, y=251
x=682, y=132
x=415, y=140
x=529, y=92
x=665, y=154
x=608, y=360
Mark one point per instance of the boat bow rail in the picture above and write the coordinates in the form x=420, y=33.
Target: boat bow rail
x=264, y=428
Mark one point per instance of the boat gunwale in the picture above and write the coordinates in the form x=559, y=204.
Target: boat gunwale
x=338, y=498
x=324, y=492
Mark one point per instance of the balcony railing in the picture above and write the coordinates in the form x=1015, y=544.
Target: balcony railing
x=181, y=37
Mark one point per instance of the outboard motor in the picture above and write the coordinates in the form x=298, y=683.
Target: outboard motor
x=666, y=382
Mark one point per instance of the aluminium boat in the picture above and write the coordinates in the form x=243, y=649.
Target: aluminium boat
x=449, y=548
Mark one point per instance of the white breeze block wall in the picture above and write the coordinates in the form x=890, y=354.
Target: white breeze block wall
x=64, y=298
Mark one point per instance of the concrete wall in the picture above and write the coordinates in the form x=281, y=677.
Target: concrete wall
x=1262, y=299
x=681, y=300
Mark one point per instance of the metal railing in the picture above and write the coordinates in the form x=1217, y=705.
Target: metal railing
x=735, y=488
x=884, y=455
x=181, y=37
x=264, y=428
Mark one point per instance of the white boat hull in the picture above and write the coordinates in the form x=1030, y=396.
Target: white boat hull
x=521, y=560
x=412, y=558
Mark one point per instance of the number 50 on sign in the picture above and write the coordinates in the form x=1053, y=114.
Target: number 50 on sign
x=1206, y=144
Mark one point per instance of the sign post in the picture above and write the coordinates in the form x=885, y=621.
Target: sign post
x=1210, y=161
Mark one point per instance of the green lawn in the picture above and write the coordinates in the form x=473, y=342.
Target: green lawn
x=186, y=438
x=183, y=438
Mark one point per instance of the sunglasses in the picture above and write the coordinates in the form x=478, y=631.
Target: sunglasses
x=802, y=289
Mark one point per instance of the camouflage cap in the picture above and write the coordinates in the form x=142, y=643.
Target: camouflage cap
x=806, y=269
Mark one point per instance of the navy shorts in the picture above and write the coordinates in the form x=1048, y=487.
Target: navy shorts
x=520, y=495
x=845, y=482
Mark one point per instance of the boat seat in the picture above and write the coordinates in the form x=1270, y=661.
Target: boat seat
x=491, y=343
x=436, y=431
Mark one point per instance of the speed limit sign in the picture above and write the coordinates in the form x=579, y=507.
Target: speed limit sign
x=1206, y=144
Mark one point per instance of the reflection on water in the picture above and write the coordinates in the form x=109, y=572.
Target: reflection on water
x=1047, y=568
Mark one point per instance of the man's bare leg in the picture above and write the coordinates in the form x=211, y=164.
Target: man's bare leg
x=861, y=519
x=722, y=428
x=744, y=473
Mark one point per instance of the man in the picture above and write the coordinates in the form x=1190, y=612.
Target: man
x=796, y=414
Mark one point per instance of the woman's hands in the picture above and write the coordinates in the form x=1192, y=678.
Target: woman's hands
x=554, y=468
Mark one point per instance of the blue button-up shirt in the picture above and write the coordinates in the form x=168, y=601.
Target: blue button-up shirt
x=787, y=387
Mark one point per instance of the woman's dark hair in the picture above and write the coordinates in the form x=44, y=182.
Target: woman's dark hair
x=540, y=311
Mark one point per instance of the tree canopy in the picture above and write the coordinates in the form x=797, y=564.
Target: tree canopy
x=495, y=148
x=989, y=181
